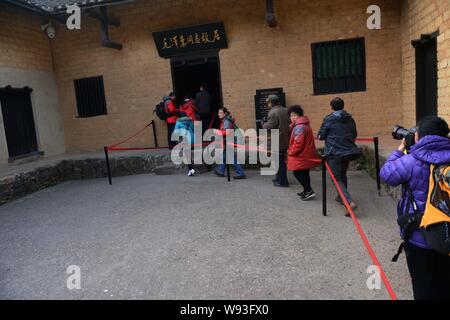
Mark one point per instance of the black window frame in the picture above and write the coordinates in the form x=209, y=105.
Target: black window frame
x=341, y=76
x=90, y=97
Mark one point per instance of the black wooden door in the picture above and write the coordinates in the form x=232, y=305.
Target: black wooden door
x=426, y=79
x=18, y=121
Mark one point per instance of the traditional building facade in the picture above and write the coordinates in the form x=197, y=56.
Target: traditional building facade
x=317, y=50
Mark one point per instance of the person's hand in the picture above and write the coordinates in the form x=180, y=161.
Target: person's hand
x=402, y=147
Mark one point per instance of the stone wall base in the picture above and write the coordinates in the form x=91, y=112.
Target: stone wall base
x=21, y=184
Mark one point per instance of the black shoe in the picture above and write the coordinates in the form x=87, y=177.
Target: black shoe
x=275, y=181
x=240, y=177
x=279, y=185
x=219, y=174
x=301, y=195
x=308, y=195
x=339, y=200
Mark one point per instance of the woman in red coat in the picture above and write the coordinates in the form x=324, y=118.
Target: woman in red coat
x=302, y=152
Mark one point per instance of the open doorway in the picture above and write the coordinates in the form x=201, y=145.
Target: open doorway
x=426, y=76
x=190, y=72
x=18, y=121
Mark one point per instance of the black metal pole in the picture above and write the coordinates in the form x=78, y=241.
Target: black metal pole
x=376, y=142
x=324, y=187
x=154, y=133
x=108, y=168
x=226, y=158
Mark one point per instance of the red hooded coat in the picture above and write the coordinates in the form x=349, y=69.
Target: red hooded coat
x=190, y=109
x=302, y=152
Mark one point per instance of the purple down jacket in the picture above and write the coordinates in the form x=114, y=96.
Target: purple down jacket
x=414, y=169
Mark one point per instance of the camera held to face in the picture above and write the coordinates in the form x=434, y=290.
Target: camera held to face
x=400, y=133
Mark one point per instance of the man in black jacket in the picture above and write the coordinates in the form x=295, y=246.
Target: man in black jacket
x=203, y=104
x=339, y=132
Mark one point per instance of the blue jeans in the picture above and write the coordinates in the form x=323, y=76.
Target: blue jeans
x=237, y=167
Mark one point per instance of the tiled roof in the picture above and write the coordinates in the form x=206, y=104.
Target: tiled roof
x=59, y=5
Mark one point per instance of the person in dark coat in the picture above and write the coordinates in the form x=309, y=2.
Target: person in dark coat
x=203, y=104
x=429, y=269
x=278, y=118
x=339, y=132
x=302, y=152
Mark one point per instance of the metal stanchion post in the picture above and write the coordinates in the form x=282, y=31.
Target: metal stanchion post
x=154, y=134
x=376, y=142
x=227, y=166
x=108, y=168
x=324, y=187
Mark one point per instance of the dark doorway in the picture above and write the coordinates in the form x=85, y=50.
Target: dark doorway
x=189, y=72
x=18, y=121
x=426, y=76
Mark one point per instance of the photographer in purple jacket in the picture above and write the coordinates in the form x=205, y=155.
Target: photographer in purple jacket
x=429, y=269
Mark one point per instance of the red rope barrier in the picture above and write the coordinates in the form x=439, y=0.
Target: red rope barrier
x=158, y=148
x=365, y=140
x=113, y=147
x=212, y=121
x=135, y=149
x=363, y=236
x=357, y=140
x=133, y=136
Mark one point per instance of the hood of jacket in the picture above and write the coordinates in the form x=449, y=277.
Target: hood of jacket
x=342, y=115
x=432, y=149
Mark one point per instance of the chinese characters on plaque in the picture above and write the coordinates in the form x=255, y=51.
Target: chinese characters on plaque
x=180, y=41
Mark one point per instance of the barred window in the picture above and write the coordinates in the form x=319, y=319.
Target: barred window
x=339, y=66
x=90, y=94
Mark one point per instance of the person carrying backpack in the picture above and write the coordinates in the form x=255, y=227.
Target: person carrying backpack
x=429, y=268
x=172, y=112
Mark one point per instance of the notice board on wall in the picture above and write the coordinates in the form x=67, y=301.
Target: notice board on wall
x=261, y=108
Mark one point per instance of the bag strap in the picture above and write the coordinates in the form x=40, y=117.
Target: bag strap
x=399, y=252
x=408, y=223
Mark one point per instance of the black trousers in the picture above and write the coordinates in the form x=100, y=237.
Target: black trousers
x=282, y=170
x=170, y=128
x=339, y=166
x=305, y=180
x=206, y=121
x=429, y=272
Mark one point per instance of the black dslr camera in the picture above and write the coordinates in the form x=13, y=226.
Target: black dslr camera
x=400, y=133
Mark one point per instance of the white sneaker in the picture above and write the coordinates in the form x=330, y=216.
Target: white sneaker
x=191, y=173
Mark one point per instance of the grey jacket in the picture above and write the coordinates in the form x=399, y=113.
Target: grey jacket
x=278, y=118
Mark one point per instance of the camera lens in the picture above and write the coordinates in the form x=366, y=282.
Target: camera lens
x=400, y=133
